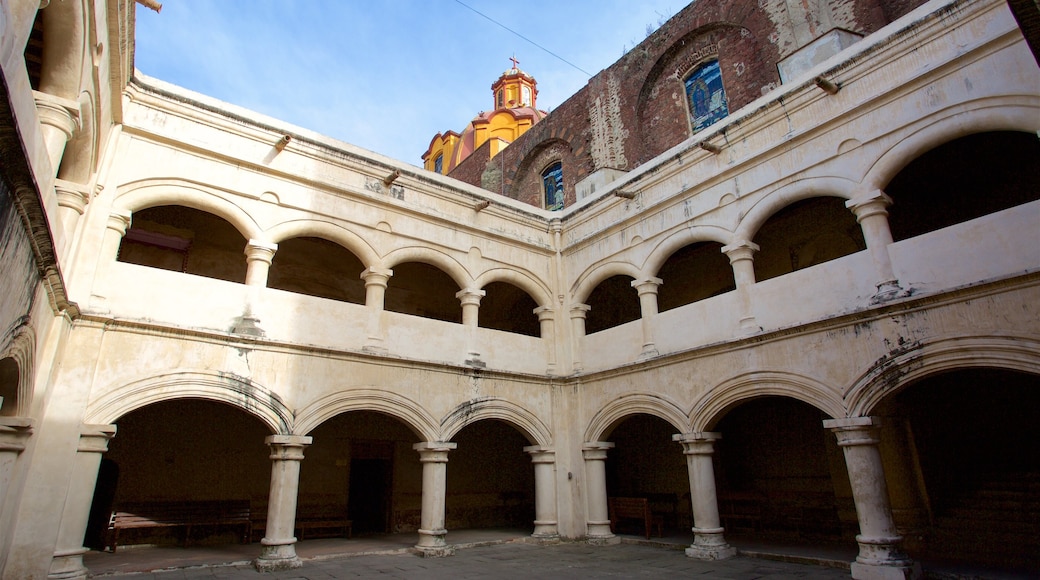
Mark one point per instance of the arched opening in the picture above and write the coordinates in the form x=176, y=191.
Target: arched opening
x=186, y=240
x=423, y=290
x=613, y=303
x=9, y=379
x=490, y=479
x=361, y=467
x=647, y=464
x=963, y=464
x=693, y=273
x=317, y=267
x=182, y=459
x=806, y=233
x=964, y=179
x=508, y=308
x=781, y=476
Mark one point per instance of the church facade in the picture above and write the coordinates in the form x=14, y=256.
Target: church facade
x=790, y=290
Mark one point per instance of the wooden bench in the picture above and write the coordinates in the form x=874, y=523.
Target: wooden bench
x=634, y=508
x=319, y=522
x=185, y=515
x=741, y=510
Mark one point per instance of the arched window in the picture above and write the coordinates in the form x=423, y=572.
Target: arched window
x=438, y=163
x=706, y=95
x=552, y=179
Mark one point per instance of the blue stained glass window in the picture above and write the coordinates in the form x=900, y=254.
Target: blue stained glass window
x=706, y=95
x=552, y=179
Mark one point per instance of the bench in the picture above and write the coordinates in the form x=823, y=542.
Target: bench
x=741, y=510
x=311, y=521
x=184, y=515
x=634, y=508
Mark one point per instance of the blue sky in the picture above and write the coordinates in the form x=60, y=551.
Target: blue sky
x=385, y=75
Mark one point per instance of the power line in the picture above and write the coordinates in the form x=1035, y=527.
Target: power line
x=525, y=38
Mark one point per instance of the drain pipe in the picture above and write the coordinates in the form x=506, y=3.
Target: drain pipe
x=151, y=4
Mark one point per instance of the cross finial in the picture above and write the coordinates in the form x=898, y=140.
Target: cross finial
x=516, y=63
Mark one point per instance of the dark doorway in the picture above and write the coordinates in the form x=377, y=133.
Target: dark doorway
x=369, y=500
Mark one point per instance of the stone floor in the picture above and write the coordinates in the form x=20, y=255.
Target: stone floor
x=499, y=553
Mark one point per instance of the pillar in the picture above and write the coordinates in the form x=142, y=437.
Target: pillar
x=871, y=210
x=14, y=432
x=598, y=515
x=578, y=314
x=434, y=458
x=279, y=543
x=741, y=254
x=259, y=256
x=118, y=222
x=67, y=562
x=72, y=202
x=880, y=555
x=647, y=289
x=376, y=280
x=59, y=121
x=544, y=460
x=708, y=540
x=470, y=300
x=547, y=331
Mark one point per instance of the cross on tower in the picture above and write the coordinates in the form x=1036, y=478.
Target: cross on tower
x=516, y=63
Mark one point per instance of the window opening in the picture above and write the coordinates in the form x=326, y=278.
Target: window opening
x=706, y=95
x=438, y=164
x=552, y=179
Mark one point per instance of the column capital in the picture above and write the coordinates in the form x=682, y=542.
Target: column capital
x=855, y=430
x=648, y=285
x=376, y=276
x=287, y=447
x=260, y=250
x=697, y=442
x=14, y=431
x=119, y=221
x=95, y=438
x=869, y=204
x=470, y=296
x=541, y=453
x=596, y=450
x=434, y=451
x=62, y=114
x=72, y=195
x=298, y=440
x=544, y=313
x=580, y=310
x=740, y=250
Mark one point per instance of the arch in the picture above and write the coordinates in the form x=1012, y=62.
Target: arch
x=798, y=190
x=596, y=274
x=522, y=280
x=1017, y=113
x=335, y=233
x=479, y=409
x=892, y=372
x=679, y=240
x=713, y=405
x=237, y=391
x=382, y=401
x=450, y=266
x=20, y=347
x=152, y=193
x=636, y=403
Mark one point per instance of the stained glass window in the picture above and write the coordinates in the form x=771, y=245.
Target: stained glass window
x=706, y=95
x=552, y=179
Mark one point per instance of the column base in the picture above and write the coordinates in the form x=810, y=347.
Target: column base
x=709, y=544
x=545, y=538
x=278, y=557
x=907, y=571
x=68, y=566
x=602, y=540
x=435, y=551
x=889, y=290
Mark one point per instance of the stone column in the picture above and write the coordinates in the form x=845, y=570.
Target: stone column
x=118, y=222
x=68, y=550
x=72, y=202
x=741, y=255
x=598, y=518
x=547, y=328
x=470, y=300
x=59, y=121
x=871, y=210
x=578, y=314
x=880, y=555
x=647, y=289
x=259, y=256
x=376, y=280
x=544, y=460
x=434, y=458
x=708, y=540
x=279, y=543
